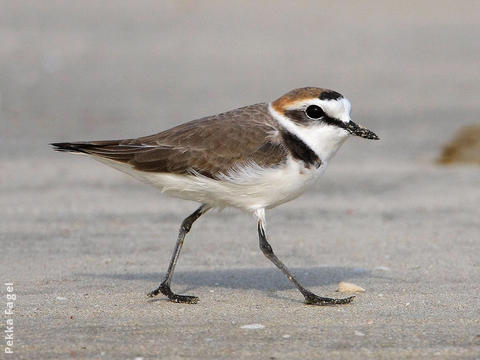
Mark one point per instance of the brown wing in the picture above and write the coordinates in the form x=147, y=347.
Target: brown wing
x=210, y=146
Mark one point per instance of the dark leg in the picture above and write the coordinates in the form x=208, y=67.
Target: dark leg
x=310, y=298
x=164, y=287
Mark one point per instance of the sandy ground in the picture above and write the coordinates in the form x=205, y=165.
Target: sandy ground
x=83, y=244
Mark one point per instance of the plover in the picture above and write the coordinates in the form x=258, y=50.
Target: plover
x=252, y=158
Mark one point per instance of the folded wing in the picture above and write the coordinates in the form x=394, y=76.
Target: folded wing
x=211, y=146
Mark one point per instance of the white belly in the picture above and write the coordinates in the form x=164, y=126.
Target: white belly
x=249, y=188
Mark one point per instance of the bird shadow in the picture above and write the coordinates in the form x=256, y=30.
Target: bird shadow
x=247, y=278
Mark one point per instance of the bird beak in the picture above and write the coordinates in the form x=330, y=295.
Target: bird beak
x=359, y=130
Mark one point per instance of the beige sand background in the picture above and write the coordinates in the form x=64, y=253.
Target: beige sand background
x=83, y=243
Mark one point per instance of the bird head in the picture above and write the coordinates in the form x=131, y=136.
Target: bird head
x=312, y=107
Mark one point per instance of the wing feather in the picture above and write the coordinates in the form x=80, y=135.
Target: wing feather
x=210, y=146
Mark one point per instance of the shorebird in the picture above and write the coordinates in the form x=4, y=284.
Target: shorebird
x=252, y=158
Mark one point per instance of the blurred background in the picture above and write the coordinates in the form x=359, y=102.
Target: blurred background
x=114, y=69
x=84, y=243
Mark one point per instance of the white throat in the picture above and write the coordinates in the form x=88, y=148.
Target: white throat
x=323, y=139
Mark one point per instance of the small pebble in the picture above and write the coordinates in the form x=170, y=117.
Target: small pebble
x=61, y=298
x=349, y=287
x=252, y=326
x=359, y=333
x=286, y=336
x=382, y=268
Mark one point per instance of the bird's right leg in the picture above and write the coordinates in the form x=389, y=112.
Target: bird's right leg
x=164, y=287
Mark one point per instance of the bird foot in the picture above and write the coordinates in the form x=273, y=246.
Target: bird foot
x=165, y=290
x=312, y=299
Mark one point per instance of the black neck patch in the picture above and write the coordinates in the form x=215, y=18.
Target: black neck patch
x=330, y=95
x=299, y=150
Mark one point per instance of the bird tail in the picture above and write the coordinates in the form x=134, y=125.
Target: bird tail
x=119, y=150
x=89, y=147
x=76, y=147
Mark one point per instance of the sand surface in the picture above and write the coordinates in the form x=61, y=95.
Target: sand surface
x=83, y=244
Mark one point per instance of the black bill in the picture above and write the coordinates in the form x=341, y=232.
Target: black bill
x=358, y=130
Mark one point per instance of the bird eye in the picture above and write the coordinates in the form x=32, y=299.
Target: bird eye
x=314, y=112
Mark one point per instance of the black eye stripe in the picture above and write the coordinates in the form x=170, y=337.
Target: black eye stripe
x=300, y=117
x=335, y=122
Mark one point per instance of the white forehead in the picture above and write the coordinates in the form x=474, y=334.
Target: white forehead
x=337, y=109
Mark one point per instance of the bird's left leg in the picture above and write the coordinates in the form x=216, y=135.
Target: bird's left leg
x=310, y=298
